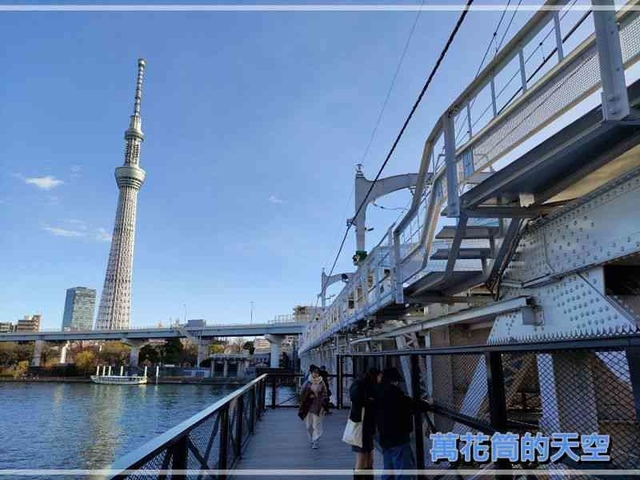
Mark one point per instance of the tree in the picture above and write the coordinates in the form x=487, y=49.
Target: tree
x=189, y=354
x=50, y=356
x=172, y=349
x=114, y=353
x=150, y=353
x=216, y=348
x=85, y=361
x=11, y=353
x=21, y=369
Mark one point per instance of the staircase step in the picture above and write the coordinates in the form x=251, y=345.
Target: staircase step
x=471, y=232
x=463, y=253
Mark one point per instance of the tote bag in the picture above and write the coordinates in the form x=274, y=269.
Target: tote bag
x=353, y=432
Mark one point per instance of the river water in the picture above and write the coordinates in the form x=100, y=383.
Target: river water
x=84, y=425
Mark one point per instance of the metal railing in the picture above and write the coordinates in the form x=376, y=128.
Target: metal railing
x=213, y=439
x=582, y=386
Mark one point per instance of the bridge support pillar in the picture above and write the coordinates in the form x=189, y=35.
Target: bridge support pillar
x=63, y=352
x=37, y=353
x=276, y=342
x=225, y=369
x=203, y=351
x=135, y=345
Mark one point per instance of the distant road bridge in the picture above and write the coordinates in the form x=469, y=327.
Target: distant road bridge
x=138, y=337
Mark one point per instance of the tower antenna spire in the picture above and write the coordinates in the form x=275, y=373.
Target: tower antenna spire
x=136, y=106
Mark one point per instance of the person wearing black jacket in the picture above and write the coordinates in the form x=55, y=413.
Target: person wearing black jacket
x=394, y=424
x=325, y=377
x=361, y=394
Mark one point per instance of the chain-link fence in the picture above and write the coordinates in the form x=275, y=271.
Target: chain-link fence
x=576, y=403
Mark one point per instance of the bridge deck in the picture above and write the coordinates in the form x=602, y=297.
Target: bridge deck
x=281, y=442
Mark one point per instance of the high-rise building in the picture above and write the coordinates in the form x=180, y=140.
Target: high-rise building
x=79, y=307
x=115, y=302
x=29, y=324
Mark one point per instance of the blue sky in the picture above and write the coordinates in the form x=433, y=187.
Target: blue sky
x=254, y=123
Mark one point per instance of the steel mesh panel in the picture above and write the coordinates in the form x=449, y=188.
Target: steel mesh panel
x=162, y=461
x=461, y=383
x=630, y=39
x=522, y=391
x=246, y=419
x=578, y=79
x=203, y=439
x=589, y=392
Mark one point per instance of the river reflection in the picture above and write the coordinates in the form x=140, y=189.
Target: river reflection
x=55, y=425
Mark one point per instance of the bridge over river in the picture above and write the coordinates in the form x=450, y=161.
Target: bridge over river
x=137, y=337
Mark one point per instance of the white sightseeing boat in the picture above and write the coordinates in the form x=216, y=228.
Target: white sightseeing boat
x=108, y=379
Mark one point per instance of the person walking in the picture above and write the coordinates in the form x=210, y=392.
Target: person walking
x=394, y=425
x=312, y=398
x=362, y=393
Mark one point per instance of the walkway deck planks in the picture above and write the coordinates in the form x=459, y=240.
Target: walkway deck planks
x=281, y=442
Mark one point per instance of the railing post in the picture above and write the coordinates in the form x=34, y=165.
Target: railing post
x=224, y=440
x=495, y=385
x=453, y=200
x=633, y=360
x=494, y=105
x=615, y=99
x=396, y=269
x=179, y=454
x=273, y=391
x=339, y=383
x=496, y=394
x=252, y=411
x=417, y=414
x=239, y=411
x=523, y=70
x=556, y=27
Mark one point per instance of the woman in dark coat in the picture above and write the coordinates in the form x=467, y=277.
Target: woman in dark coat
x=362, y=394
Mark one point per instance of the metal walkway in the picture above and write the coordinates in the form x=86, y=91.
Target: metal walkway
x=280, y=442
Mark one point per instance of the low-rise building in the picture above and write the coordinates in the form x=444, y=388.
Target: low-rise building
x=6, y=327
x=29, y=323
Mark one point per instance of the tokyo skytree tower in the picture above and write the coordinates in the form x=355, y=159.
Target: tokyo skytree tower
x=115, y=303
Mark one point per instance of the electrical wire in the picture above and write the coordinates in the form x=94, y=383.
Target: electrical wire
x=383, y=108
x=393, y=82
x=493, y=37
x=504, y=35
x=434, y=70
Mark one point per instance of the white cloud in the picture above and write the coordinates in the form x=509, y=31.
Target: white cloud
x=79, y=229
x=76, y=168
x=44, y=183
x=103, y=235
x=80, y=224
x=62, y=232
x=275, y=200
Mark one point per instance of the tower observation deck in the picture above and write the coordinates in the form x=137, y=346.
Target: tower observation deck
x=115, y=302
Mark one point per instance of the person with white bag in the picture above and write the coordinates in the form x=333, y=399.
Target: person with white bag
x=362, y=419
x=312, y=398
